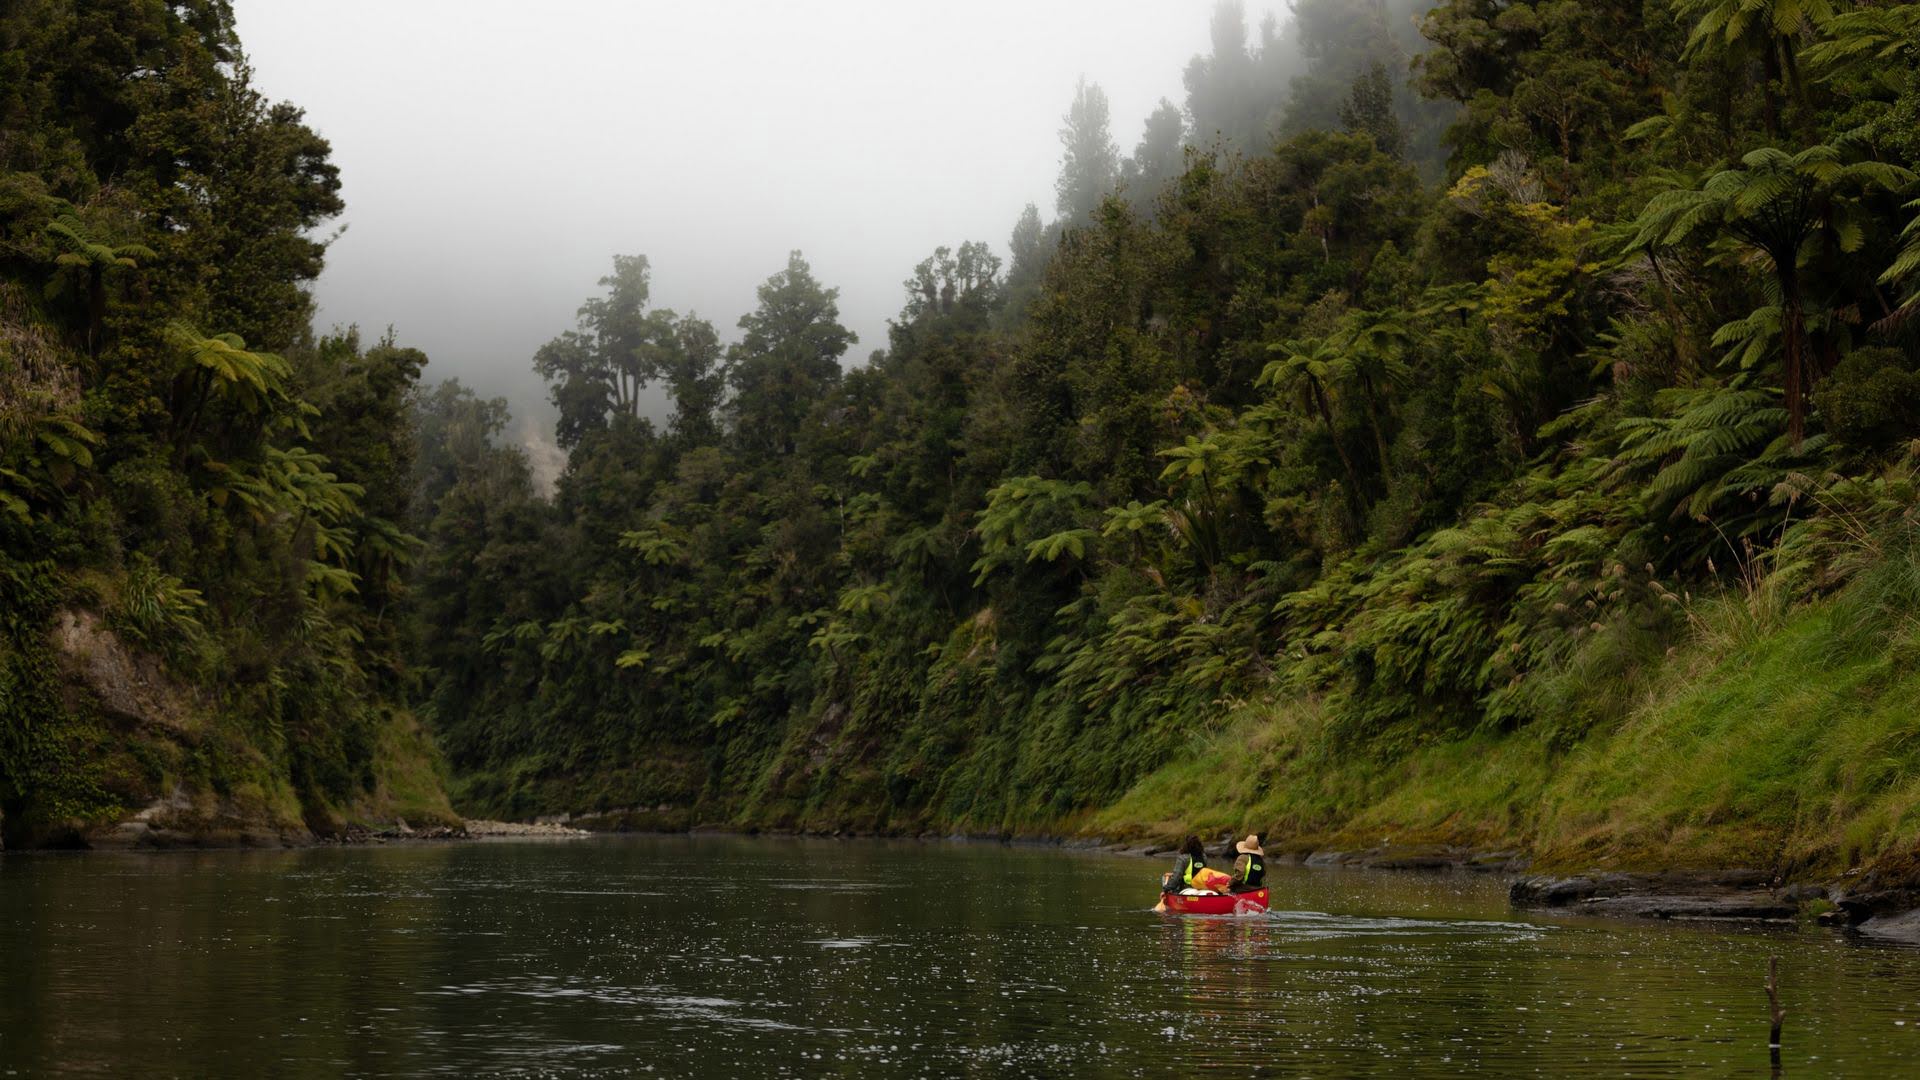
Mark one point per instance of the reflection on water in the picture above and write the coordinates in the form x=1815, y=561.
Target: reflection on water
x=727, y=957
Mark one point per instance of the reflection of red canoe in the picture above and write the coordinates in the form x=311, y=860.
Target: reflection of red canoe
x=1246, y=903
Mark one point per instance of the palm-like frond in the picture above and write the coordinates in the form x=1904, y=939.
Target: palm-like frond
x=655, y=547
x=1725, y=26
x=1070, y=542
x=1906, y=264
x=1705, y=438
x=1016, y=512
x=253, y=378
x=1752, y=339
x=1134, y=518
x=86, y=251
x=1865, y=36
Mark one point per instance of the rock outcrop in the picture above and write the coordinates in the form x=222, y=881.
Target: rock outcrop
x=128, y=685
x=1737, y=895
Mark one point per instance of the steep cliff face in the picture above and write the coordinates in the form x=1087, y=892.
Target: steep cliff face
x=131, y=755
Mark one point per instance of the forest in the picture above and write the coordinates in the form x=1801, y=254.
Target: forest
x=1489, y=423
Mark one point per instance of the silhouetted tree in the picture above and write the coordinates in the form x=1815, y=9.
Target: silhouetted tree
x=787, y=360
x=1368, y=110
x=1089, y=163
x=1158, y=159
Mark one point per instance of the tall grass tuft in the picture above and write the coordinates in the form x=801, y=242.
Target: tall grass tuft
x=158, y=610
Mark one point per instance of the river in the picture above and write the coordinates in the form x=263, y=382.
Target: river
x=730, y=956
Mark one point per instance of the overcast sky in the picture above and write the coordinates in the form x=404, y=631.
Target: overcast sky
x=496, y=155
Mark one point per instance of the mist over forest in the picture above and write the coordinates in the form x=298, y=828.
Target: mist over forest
x=1491, y=422
x=949, y=156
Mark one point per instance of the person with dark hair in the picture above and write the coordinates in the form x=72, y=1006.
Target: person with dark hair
x=1190, y=860
x=1190, y=871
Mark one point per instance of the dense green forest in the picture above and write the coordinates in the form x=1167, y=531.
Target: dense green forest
x=203, y=507
x=1489, y=424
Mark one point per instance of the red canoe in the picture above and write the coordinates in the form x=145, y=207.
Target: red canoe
x=1246, y=903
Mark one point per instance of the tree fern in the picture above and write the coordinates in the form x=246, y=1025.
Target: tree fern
x=1783, y=207
x=92, y=259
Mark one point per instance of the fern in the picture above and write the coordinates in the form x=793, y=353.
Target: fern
x=157, y=609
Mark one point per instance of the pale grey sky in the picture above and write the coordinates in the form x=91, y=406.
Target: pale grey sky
x=496, y=155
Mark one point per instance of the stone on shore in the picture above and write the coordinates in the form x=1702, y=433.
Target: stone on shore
x=479, y=828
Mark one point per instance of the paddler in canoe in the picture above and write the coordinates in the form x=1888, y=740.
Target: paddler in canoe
x=1250, y=868
x=1193, y=886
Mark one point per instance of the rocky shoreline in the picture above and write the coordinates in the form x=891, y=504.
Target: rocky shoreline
x=479, y=829
x=469, y=829
x=1863, y=902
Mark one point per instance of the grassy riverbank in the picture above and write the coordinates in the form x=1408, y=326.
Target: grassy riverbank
x=1774, y=738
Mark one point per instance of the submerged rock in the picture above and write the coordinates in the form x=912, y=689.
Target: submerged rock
x=1721, y=895
x=1745, y=908
x=1552, y=891
x=1888, y=910
x=1903, y=928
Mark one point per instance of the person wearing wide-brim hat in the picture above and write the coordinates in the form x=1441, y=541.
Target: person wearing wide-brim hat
x=1250, y=868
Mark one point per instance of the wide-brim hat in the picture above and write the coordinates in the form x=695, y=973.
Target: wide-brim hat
x=1249, y=846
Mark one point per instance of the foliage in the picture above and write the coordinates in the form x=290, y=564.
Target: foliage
x=1274, y=420
x=1268, y=420
x=180, y=454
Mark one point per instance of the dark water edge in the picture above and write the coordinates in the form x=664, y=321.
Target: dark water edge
x=726, y=956
x=1884, y=903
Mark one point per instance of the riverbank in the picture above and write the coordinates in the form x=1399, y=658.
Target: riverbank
x=1781, y=742
x=1776, y=749
x=138, y=835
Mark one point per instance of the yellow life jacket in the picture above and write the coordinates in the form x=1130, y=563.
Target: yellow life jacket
x=1194, y=865
x=1250, y=871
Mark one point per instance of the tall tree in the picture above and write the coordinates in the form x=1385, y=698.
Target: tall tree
x=1089, y=162
x=95, y=262
x=787, y=359
x=1237, y=93
x=692, y=363
x=1158, y=159
x=1548, y=79
x=1026, y=244
x=1368, y=110
x=1341, y=40
x=1312, y=370
x=947, y=280
x=598, y=371
x=1737, y=32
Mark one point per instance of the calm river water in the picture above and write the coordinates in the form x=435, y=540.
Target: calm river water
x=737, y=957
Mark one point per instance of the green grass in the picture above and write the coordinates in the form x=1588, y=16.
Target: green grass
x=1771, y=738
x=1799, y=750
x=409, y=778
x=1272, y=768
